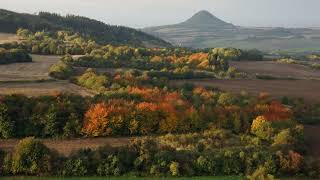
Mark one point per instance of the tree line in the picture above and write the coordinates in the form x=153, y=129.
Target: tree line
x=14, y=56
x=143, y=111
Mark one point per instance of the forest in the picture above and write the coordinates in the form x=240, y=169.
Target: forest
x=210, y=133
x=10, y=22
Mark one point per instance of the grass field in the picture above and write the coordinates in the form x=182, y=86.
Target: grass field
x=126, y=178
x=7, y=38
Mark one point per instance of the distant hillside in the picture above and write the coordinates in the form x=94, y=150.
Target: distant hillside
x=101, y=32
x=204, y=30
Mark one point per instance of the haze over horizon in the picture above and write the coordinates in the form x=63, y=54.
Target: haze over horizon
x=144, y=13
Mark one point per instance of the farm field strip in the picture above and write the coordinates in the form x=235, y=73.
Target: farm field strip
x=276, y=69
x=307, y=89
x=43, y=88
x=7, y=38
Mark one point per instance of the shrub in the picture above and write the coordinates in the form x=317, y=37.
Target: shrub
x=111, y=166
x=6, y=124
x=74, y=167
x=79, y=163
x=283, y=138
x=90, y=79
x=262, y=128
x=261, y=174
x=31, y=157
x=174, y=169
x=291, y=162
x=61, y=70
x=14, y=56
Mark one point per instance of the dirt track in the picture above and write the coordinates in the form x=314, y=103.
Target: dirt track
x=278, y=70
x=307, y=89
x=67, y=146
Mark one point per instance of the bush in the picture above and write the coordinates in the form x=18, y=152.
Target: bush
x=262, y=128
x=79, y=163
x=61, y=70
x=6, y=124
x=261, y=174
x=174, y=168
x=31, y=157
x=14, y=56
x=283, y=138
x=111, y=166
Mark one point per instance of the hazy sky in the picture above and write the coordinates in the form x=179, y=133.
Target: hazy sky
x=142, y=13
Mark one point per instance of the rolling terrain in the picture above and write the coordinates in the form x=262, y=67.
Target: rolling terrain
x=204, y=30
x=10, y=22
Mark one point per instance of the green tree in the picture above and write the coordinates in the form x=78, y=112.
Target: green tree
x=31, y=157
x=7, y=126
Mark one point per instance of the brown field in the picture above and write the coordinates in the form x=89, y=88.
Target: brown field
x=313, y=141
x=23, y=78
x=43, y=88
x=307, y=89
x=7, y=38
x=36, y=70
x=67, y=146
x=278, y=70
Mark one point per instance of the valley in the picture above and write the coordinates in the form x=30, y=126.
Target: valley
x=204, y=30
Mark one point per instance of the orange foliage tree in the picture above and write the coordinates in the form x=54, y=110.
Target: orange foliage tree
x=109, y=118
x=275, y=111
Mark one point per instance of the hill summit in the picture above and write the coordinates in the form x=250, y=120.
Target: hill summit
x=204, y=30
x=205, y=18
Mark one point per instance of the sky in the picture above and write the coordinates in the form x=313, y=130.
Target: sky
x=144, y=13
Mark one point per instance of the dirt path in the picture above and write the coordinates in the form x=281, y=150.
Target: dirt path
x=67, y=146
x=307, y=89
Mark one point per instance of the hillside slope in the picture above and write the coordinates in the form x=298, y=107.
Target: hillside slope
x=205, y=30
x=101, y=32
